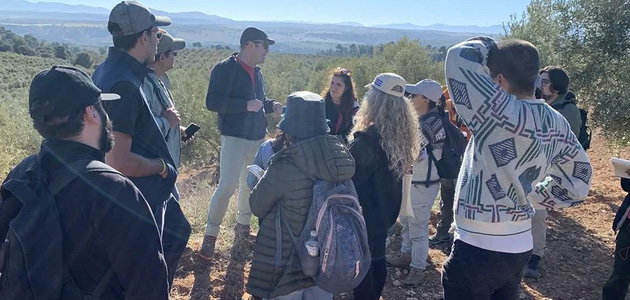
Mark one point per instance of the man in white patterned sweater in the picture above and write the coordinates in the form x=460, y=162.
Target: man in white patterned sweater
x=522, y=150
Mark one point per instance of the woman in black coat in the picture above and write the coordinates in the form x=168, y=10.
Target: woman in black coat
x=384, y=147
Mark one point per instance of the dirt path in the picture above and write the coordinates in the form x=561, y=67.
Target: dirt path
x=577, y=261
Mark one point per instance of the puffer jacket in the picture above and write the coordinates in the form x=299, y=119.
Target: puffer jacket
x=284, y=186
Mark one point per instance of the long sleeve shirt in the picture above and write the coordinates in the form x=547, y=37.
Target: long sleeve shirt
x=521, y=151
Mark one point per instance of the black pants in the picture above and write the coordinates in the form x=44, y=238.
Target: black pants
x=616, y=287
x=372, y=285
x=175, y=231
x=447, y=197
x=477, y=274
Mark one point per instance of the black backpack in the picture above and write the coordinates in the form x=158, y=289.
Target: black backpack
x=31, y=257
x=454, y=148
x=585, y=131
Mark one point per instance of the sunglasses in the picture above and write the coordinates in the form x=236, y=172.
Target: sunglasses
x=264, y=43
x=340, y=71
x=174, y=53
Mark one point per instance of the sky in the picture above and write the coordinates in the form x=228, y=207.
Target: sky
x=366, y=12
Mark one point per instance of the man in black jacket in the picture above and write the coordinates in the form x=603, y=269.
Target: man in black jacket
x=141, y=152
x=106, y=223
x=236, y=91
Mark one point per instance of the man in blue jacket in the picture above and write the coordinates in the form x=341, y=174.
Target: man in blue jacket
x=236, y=91
x=141, y=152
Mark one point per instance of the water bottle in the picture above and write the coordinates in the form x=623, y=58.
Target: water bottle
x=312, y=245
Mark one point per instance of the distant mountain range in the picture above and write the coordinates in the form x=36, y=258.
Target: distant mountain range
x=85, y=25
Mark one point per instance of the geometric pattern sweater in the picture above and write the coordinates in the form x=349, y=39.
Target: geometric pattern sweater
x=521, y=150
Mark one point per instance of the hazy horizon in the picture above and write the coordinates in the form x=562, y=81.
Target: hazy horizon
x=369, y=13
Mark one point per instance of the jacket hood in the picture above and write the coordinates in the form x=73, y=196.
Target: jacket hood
x=322, y=157
x=564, y=98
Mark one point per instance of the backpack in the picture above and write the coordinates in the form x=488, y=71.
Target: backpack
x=344, y=255
x=31, y=257
x=584, y=138
x=454, y=147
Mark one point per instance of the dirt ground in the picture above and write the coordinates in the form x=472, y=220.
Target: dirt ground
x=577, y=261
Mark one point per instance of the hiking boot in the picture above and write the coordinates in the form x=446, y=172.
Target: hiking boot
x=243, y=242
x=402, y=260
x=207, y=247
x=533, y=267
x=438, y=239
x=414, y=278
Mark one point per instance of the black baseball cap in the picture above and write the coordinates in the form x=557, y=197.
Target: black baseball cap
x=130, y=17
x=255, y=34
x=63, y=90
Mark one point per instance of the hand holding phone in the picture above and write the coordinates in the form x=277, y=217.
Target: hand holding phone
x=190, y=131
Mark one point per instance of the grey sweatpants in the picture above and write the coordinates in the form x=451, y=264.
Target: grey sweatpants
x=539, y=231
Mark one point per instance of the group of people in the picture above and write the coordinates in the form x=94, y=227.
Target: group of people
x=125, y=238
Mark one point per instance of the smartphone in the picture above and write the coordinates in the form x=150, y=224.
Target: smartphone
x=190, y=131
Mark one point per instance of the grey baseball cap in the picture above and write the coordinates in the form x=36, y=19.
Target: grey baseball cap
x=131, y=17
x=168, y=42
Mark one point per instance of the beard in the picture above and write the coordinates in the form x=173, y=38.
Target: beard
x=106, y=141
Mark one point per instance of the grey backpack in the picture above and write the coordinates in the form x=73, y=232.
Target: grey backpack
x=344, y=255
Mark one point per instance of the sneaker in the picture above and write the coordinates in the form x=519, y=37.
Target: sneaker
x=207, y=247
x=533, y=267
x=403, y=260
x=414, y=278
x=435, y=239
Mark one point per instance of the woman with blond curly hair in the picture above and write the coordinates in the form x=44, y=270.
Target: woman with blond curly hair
x=341, y=103
x=384, y=146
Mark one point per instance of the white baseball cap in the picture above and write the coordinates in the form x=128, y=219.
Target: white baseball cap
x=426, y=87
x=387, y=82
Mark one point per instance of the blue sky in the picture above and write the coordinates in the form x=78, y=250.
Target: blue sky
x=366, y=12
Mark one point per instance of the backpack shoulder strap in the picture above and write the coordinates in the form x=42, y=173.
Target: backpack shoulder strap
x=432, y=159
x=62, y=177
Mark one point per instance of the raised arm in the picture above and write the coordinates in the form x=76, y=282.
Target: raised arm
x=475, y=96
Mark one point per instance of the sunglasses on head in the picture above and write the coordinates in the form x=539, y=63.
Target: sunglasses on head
x=264, y=43
x=340, y=71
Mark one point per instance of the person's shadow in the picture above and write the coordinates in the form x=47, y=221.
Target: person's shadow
x=202, y=287
x=234, y=283
x=573, y=255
